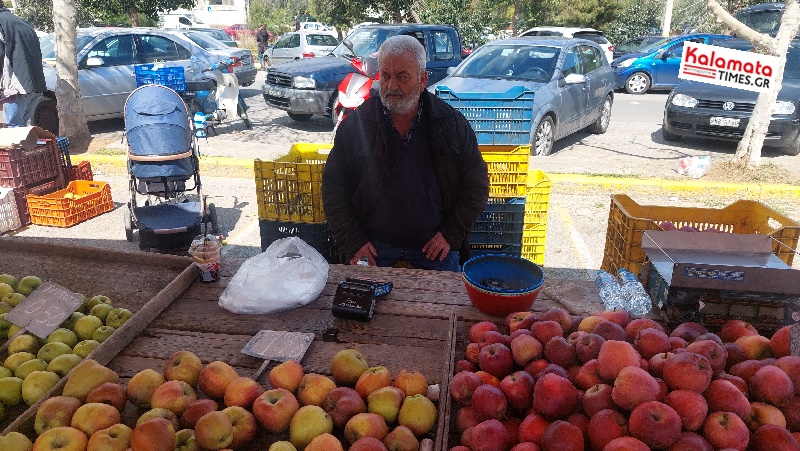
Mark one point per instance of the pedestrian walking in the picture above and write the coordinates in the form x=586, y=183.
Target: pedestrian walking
x=21, y=74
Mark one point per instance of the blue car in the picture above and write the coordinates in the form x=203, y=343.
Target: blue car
x=656, y=67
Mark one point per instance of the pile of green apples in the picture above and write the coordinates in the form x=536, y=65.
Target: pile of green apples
x=32, y=366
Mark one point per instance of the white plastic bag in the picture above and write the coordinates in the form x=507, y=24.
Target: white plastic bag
x=694, y=167
x=289, y=274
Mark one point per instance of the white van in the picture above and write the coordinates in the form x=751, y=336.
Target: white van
x=181, y=20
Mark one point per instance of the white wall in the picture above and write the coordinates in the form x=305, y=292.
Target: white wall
x=214, y=14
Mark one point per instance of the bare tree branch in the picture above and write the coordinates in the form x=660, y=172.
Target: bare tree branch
x=763, y=42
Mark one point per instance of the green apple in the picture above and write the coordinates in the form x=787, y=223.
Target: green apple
x=18, y=358
x=102, y=333
x=12, y=330
x=5, y=308
x=13, y=299
x=5, y=289
x=117, y=317
x=37, y=384
x=99, y=299
x=5, y=372
x=4, y=325
x=101, y=311
x=15, y=441
x=85, y=327
x=63, y=335
x=9, y=279
x=27, y=284
x=84, y=308
x=10, y=391
x=26, y=368
x=50, y=351
x=24, y=343
x=69, y=323
x=63, y=363
x=85, y=347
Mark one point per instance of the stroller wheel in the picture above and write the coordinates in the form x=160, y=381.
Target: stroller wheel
x=128, y=226
x=212, y=218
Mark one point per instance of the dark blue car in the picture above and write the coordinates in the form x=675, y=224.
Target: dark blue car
x=656, y=67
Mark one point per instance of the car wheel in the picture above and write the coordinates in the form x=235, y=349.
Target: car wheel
x=45, y=115
x=601, y=124
x=793, y=149
x=543, y=137
x=299, y=117
x=637, y=83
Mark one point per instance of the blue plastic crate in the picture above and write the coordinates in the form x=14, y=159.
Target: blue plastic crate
x=498, y=118
x=500, y=225
x=172, y=77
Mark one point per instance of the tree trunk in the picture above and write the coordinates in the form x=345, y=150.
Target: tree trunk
x=71, y=118
x=515, y=18
x=666, y=22
x=133, y=15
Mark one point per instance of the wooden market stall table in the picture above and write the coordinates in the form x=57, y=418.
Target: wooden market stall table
x=417, y=326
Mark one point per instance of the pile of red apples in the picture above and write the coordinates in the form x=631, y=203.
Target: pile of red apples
x=607, y=382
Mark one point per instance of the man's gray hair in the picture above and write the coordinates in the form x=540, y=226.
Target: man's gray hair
x=399, y=45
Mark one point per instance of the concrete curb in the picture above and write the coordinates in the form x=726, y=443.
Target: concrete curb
x=583, y=181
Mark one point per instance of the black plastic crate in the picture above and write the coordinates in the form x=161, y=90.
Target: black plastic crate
x=315, y=234
x=63, y=150
x=494, y=249
x=501, y=223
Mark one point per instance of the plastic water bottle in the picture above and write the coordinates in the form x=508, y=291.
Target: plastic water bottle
x=609, y=290
x=199, y=121
x=363, y=261
x=635, y=299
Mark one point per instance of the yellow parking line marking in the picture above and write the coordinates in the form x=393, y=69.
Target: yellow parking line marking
x=236, y=238
x=579, y=246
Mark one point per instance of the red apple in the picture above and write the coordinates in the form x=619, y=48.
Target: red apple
x=588, y=375
x=691, y=441
x=109, y=393
x=478, y=329
x=512, y=430
x=717, y=355
x=518, y=388
x=610, y=331
x=650, y=342
x=490, y=401
x=243, y=426
x=558, y=315
x=791, y=365
x=711, y=336
x=689, y=371
x=574, y=337
x=532, y=428
x=242, y=391
x=780, y=341
x=275, y=408
x=468, y=416
x=735, y=328
x=745, y=369
x=791, y=411
x=691, y=407
x=755, y=346
x=496, y=360
x=677, y=343
x=773, y=438
x=614, y=356
x=493, y=436
x=655, y=365
x=656, y=424
x=492, y=336
x=722, y=395
x=411, y=382
x=287, y=374
x=587, y=324
x=555, y=397
x=626, y=444
x=588, y=347
x=154, y=435
x=559, y=351
x=634, y=386
x=525, y=349
x=517, y=333
x=553, y=369
x=195, y=410
x=342, y=403
x=183, y=366
x=735, y=355
x=726, y=430
x=689, y=331
x=635, y=326
x=762, y=413
x=562, y=436
x=472, y=351
x=488, y=379
x=174, y=395
x=463, y=385
x=524, y=446
x=545, y=330
x=519, y=320
x=737, y=382
x=215, y=377
x=621, y=317
x=771, y=384
x=598, y=398
x=372, y=379
x=606, y=425
x=465, y=365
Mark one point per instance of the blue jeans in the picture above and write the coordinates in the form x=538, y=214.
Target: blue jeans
x=388, y=255
x=17, y=109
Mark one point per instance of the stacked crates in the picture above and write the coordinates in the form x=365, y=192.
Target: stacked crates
x=35, y=171
x=515, y=219
x=289, y=196
x=83, y=171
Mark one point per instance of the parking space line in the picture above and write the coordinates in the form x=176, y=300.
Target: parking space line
x=236, y=238
x=581, y=250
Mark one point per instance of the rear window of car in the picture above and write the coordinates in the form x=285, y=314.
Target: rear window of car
x=321, y=40
x=592, y=36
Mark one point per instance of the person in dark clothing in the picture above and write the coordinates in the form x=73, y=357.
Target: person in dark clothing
x=22, y=77
x=262, y=39
x=405, y=179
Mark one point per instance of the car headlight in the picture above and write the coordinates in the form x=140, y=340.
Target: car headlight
x=783, y=108
x=625, y=63
x=684, y=101
x=304, y=83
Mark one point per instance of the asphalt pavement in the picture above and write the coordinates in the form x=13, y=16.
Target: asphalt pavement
x=585, y=171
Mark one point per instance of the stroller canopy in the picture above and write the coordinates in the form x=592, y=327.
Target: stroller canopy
x=160, y=139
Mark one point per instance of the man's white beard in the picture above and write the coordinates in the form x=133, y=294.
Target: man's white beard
x=403, y=105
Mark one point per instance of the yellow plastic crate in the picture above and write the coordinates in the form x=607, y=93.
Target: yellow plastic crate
x=537, y=197
x=508, y=169
x=290, y=188
x=627, y=220
x=533, y=240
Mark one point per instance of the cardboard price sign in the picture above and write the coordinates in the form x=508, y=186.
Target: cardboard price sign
x=280, y=346
x=45, y=309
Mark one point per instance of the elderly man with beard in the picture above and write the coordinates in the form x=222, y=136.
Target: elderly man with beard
x=405, y=179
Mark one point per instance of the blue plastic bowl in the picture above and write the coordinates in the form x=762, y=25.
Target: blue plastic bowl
x=502, y=284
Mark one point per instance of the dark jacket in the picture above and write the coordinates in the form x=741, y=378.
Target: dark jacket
x=354, y=170
x=262, y=37
x=19, y=47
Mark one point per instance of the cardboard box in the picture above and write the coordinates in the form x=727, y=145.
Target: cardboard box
x=714, y=277
x=25, y=137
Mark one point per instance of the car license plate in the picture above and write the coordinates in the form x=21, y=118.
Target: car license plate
x=725, y=121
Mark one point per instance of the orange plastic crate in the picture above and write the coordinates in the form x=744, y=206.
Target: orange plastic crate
x=79, y=201
x=83, y=171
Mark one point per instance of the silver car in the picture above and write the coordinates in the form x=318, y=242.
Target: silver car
x=298, y=45
x=106, y=60
x=566, y=84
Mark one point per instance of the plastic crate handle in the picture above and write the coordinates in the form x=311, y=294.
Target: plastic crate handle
x=514, y=92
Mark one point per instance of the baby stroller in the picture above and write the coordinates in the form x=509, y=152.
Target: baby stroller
x=164, y=170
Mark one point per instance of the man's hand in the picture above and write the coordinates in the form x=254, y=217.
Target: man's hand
x=367, y=250
x=436, y=247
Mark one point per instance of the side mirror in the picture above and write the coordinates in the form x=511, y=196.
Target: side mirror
x=94, y=61
x=349, y=45
x=574, y=79
x=451, y=70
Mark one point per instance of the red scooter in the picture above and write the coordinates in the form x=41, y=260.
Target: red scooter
x=357, y=86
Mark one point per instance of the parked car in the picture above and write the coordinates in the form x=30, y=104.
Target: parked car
x=238, y=30
x=763, y=18
x=656, y=67
x=298, y=45
x=637, y=45
x=306, y=87
x=245, y=74
x=106, y=60
x=318, y=27
x=219, y=35
x=703, y=110
x=571, y=80
x=575, y=32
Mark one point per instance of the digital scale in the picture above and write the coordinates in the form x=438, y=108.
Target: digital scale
x=355, y=298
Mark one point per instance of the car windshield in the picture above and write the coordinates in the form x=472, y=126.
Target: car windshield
x=761, y=21
x=205, y=41
x=524, y=62
x=366, y=41
x=216, y=34
x=321, y=40
x=49, y=49
x=654, y=46
x=592, y=36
